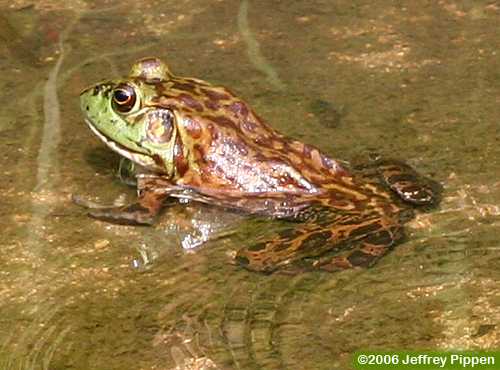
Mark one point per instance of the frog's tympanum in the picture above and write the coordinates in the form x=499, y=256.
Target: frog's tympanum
x=191, y=140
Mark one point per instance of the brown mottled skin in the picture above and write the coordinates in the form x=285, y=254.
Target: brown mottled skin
x=201, y=142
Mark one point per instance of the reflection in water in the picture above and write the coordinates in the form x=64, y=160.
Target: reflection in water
x=253, y=49
x=189, y=226
x=51, y=133
x=21, y=48
x=70, y=297
x=42, y=337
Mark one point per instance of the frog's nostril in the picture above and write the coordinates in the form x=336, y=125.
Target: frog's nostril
x=87, y=107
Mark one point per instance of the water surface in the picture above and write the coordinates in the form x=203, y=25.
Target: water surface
x=419, y=81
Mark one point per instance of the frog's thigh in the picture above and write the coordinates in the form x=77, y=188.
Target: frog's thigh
x=365, y=253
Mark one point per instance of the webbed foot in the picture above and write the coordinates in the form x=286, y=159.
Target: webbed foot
x=365, y=254
x=407, y=183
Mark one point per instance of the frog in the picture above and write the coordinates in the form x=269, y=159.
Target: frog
x=193, y=141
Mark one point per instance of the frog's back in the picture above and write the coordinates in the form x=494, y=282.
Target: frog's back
x=227, y=147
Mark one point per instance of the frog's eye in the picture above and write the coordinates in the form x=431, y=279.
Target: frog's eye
x=123, y=98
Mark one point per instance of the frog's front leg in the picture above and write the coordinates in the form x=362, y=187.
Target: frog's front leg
x=127, y=172
x=144, y=212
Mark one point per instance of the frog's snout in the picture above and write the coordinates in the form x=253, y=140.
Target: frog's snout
x=92, y=94
x=87, y=90
x=103, y=88
x=84, y=99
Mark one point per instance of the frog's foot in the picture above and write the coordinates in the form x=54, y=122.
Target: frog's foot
x=143, y=212
x=365, y=254
x=407, y=183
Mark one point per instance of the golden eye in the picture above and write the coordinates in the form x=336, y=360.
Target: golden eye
x=123, y=98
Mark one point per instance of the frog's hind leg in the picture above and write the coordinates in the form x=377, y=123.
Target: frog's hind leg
x=324, y=234
x=286, y=247
x=365, y=253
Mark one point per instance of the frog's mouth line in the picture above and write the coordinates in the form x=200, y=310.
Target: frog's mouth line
x=137, y=157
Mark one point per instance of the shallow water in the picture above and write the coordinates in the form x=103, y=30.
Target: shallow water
x=418, y=82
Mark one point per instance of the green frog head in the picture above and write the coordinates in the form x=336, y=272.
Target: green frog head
x=126, y=115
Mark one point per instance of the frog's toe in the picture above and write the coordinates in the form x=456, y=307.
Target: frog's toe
x=409, y=185
x=84, y=202
x=415, y=194
x=134, y=214
x=250, y=259
x=365, y=256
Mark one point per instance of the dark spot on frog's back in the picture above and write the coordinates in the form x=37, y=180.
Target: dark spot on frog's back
x=360, y=259
x=211, y=105
x=306, y=151
x=190, y=102
x=223, y=121
x=242, y=260
x=159, y=88
x=239, y=109
x=215, y=95
x=184, y=86
x=382, y=237
x=248, y=125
